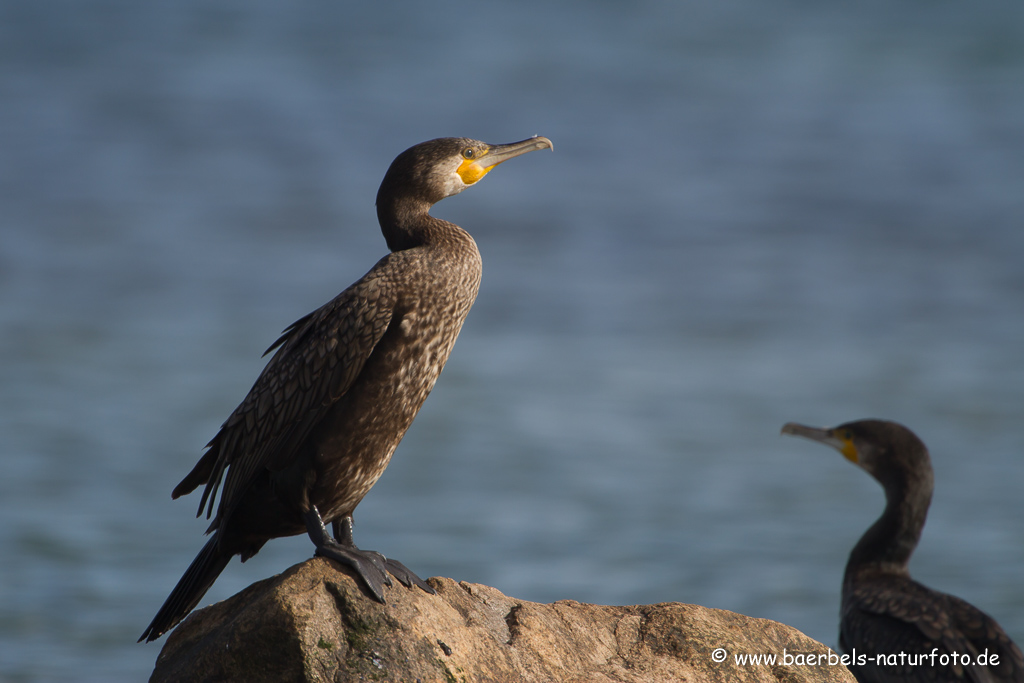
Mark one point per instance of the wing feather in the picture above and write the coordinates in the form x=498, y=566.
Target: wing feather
x=316, y=360
x=894, y=616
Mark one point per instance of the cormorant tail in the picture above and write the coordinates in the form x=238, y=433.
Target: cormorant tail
x=198, y=578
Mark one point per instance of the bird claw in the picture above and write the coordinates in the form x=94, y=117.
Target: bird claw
x=373, y=568
x=369, y=565
x=406, y=577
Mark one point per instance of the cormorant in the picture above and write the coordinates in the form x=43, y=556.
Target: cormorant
x=921, y=634
x=320, y=424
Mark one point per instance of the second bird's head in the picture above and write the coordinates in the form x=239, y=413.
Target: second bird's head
x=886, y=450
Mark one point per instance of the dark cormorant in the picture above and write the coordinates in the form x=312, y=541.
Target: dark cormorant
x=320, y=424
x=884, y=611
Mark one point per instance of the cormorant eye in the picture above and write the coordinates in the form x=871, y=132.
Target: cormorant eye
x=468, y=153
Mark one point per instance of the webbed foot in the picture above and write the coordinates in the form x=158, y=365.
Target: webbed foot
x=369, y=565
x=343, y=533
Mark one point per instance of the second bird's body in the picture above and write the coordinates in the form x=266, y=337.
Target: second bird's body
x=892, y=627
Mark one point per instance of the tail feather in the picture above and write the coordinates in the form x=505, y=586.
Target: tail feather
x=191, y=588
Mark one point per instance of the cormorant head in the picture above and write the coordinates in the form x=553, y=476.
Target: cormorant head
x=887, y=451
x=432, y=170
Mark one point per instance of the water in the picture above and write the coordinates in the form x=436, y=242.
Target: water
x=753, y=214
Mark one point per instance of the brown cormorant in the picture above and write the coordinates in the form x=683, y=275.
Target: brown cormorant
x=320, y=424
x=892, y=627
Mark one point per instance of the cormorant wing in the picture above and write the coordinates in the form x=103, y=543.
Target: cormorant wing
x=986, y=635
x=866, y=636
x=893, y=616
x=317, y=360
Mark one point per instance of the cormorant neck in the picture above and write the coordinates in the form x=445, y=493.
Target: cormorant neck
x=886, y=547
x=407, y=223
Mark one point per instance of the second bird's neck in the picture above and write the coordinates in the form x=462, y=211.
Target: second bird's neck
x=886, y=547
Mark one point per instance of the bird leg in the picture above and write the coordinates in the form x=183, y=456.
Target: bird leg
x=369, y=565
x=343, y=534
x=342, y=528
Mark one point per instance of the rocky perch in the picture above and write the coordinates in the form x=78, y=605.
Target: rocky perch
x=315, y=623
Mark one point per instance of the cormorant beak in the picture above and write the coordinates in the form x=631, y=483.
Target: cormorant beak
x=825, y=436
x=472, y=170
x=499, y=153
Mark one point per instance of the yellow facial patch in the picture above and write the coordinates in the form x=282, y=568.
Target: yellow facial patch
x=849, y=451
x=470, y=171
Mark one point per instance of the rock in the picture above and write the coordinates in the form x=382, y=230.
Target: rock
x=315, y=623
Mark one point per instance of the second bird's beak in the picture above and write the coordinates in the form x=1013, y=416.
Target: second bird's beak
x=825, y=436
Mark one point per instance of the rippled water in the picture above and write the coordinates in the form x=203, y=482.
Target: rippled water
x=753, y=214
